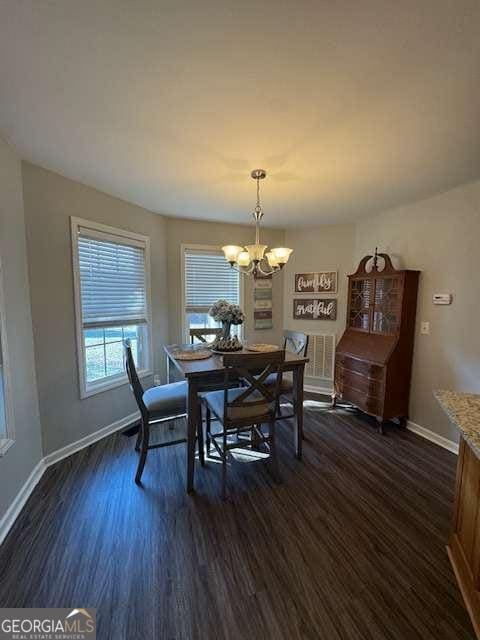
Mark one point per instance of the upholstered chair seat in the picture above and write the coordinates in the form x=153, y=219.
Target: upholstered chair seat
x=215, y=400
x=166, y=400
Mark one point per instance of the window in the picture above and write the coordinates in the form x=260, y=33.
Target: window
x=6, y=407
x=112, y=294
x=207, y=277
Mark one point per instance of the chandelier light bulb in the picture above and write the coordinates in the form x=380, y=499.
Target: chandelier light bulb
x=243, y=259
x=232, y=252
x=282, y=254
x=271, y=259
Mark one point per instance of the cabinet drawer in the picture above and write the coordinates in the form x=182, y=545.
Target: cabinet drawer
x=361, y=366
x=370, y=404
x=370, y=386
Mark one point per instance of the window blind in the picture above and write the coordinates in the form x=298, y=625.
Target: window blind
x=112, y=281
x=208, y=277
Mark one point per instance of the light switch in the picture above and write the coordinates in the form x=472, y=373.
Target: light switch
x=425, y=328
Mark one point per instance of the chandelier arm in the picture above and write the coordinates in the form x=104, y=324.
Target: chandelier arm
x=267, y=273
x=245, y=271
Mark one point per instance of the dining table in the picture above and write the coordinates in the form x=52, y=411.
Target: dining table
x=208, y=375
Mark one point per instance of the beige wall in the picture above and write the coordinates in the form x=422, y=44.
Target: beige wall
x=440, y=237
x=50, y=200
x=437, y=236
x=23, y=456
x=322, y=248
x=213, y=233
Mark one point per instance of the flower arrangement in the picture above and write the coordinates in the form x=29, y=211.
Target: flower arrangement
x=228, y=314
x=225, y=312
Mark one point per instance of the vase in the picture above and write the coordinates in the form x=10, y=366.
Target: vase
x=226, y=328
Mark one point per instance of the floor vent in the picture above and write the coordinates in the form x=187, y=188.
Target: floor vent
x=321, y=352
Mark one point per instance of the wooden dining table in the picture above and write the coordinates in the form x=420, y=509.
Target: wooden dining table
x=208, y=375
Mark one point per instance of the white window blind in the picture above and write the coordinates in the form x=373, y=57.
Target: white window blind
x=208, y=277
x=112, y=280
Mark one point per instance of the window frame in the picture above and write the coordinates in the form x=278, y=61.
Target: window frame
x=214, y=249
x=117, y=380
x=9, y=439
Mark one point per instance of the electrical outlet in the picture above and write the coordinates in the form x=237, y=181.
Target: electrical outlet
x=425, y=328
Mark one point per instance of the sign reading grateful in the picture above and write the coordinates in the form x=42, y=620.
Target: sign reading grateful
x=318, y=282
x=315, y=309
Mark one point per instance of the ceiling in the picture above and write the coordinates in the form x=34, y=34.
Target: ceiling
x=352, y=106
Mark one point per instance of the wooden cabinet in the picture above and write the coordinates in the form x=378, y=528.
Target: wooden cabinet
x=464, y=544
x=374, y=356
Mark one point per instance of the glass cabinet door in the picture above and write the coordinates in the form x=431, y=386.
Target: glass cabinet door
x=387, y=304
x=361, y=300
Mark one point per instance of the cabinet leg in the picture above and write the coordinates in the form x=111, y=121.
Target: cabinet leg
x=402, y=421
x=334, y=400
x=380, y=424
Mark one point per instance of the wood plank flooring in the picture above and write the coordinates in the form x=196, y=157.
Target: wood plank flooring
x=351, y=546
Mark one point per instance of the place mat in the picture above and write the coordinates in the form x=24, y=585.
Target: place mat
x=199, y=354
x=261, y=347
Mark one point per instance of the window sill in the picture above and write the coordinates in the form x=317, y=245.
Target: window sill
x=5, y=444
x=120, y=381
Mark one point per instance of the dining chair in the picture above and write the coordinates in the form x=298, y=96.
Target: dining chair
x=157, y=405
x=244, y=409
x=295, y=342
x=201, y=334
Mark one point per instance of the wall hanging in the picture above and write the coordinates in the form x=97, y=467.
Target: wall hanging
x=315, y=309
x=262, y=303
x=316, y=282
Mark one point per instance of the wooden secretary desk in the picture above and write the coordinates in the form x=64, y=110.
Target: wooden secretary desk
x=373, y=360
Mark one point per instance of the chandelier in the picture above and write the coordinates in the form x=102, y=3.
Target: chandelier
x=252, y=258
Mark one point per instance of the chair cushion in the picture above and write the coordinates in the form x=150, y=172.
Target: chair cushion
x=285, y=387
x=214, y=399
x=166, y=400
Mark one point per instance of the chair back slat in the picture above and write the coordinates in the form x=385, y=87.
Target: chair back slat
x=202, y=334
x=296, y=342
x=133, y=378
x=253, y=369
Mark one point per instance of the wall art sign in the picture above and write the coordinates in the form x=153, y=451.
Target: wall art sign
x=263, y=284
x=317, y=282
x=315, y=309
x=262, y=303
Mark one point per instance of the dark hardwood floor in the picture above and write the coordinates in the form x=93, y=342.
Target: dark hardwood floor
x=351, y=545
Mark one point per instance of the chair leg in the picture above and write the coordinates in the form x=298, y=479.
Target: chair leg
x=208, y=421
x=139, y=438
x=224, y=466
x=144, y=451
x=201, y=446
x=295, y=409
x=273, y=452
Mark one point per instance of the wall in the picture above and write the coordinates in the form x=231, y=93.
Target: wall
x=440, y=237
x=213, y=233
x=50, y=200
x=421, y=235
x=23, y=456
x=322, y=248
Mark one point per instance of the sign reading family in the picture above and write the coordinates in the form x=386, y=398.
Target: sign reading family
x=315, y=309
x=319, y=282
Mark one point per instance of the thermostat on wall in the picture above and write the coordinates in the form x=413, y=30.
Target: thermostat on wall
x=442, y=298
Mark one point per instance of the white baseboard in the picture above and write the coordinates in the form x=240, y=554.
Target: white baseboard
x=321, y=390
x=20, y=499
x=64, y=452
x=22, y=496
x=450, y=445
